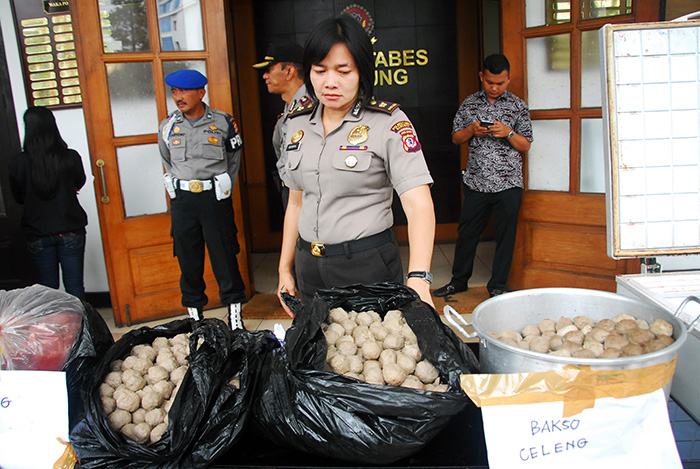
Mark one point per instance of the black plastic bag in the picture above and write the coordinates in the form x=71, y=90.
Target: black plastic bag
x=229, y=415
x=324, y=413
x=42, y=328
x=93, y=341
x=206, y=416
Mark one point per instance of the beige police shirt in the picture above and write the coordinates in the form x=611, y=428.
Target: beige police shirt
x=207, y=148
x=300, y=98
x=348, y=176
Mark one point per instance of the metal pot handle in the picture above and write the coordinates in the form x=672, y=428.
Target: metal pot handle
x=680, y=309
x=458, y=321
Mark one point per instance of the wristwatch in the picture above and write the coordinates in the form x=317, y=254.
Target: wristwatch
x=425, y=275
x=510, y=135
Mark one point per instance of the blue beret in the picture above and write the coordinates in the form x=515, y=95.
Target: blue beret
x=186, y=79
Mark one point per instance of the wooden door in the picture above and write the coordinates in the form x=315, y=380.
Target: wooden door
x=555, y=64
x=126, y=49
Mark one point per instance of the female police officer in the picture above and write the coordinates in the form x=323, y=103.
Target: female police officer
x=346, y=154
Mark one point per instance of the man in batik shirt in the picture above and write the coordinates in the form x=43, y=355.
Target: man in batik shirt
x=496, y=125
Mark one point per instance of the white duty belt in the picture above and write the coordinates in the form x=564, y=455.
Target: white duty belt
x=195, y=185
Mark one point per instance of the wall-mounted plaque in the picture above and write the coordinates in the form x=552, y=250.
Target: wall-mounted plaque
x=47, y=47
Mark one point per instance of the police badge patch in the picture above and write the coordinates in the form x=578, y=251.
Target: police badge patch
x=400, y=126
x=408, y=137
x=410, y=141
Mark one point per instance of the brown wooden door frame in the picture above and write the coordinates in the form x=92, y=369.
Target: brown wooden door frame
x=133, y=244
x=562, y=235
x=254, y=186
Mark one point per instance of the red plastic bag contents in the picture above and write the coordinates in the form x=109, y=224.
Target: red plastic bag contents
x=38, y=326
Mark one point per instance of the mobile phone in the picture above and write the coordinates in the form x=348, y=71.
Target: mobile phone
x=486, y=124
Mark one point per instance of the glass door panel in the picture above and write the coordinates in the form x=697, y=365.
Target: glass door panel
x=124, y=26
x=180, y=25
x=549, y=72
x=548, y=158
x=141, y=179
x=591, y=9
x=132, y=98
x=546, y=12
x=592, y=156
x=591, y=90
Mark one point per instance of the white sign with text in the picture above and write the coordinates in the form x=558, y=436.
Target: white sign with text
x=630, y=432
x=33, y=415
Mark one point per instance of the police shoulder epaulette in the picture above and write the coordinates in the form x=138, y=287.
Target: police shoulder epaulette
x=303, y=109
x=225, y=115
x=383, y=106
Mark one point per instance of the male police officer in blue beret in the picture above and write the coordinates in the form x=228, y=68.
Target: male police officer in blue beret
x=201, y=151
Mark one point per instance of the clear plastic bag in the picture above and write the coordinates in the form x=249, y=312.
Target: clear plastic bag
x=45, y=329
x=38, y=327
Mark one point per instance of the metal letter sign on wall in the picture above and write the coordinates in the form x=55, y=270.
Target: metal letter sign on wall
x=47, y=47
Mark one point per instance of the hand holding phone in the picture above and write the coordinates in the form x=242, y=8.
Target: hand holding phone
x=485, y=123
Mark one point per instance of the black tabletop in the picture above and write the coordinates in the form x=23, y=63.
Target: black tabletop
x=459, y=445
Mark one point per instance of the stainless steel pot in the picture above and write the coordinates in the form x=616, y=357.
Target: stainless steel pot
x=515, y=310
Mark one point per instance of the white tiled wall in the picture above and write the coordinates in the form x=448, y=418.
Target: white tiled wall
x=656, y=122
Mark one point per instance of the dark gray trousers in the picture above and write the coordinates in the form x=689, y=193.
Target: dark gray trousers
x=380, y=264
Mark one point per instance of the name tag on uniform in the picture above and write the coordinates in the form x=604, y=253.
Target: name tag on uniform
x=293, y=146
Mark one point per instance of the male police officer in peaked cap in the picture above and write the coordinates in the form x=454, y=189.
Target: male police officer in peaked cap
x=284, y=75
x=201, y=151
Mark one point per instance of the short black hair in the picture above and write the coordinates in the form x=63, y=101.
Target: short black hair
x=349, y=31
x=299, y=68
x=496, y=63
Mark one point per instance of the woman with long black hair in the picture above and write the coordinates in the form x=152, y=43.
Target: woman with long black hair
x=45, y=178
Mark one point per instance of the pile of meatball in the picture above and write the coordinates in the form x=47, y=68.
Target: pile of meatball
x=378, y=351
x=581, y=337
x=138, y=391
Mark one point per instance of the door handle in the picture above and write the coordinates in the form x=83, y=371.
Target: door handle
x=105, y=197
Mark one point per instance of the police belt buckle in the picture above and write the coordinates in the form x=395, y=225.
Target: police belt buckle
x=196, y=186
x=318, y=249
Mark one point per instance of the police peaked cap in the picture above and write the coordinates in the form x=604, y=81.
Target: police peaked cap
x=281, y=52
x=186, y=79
